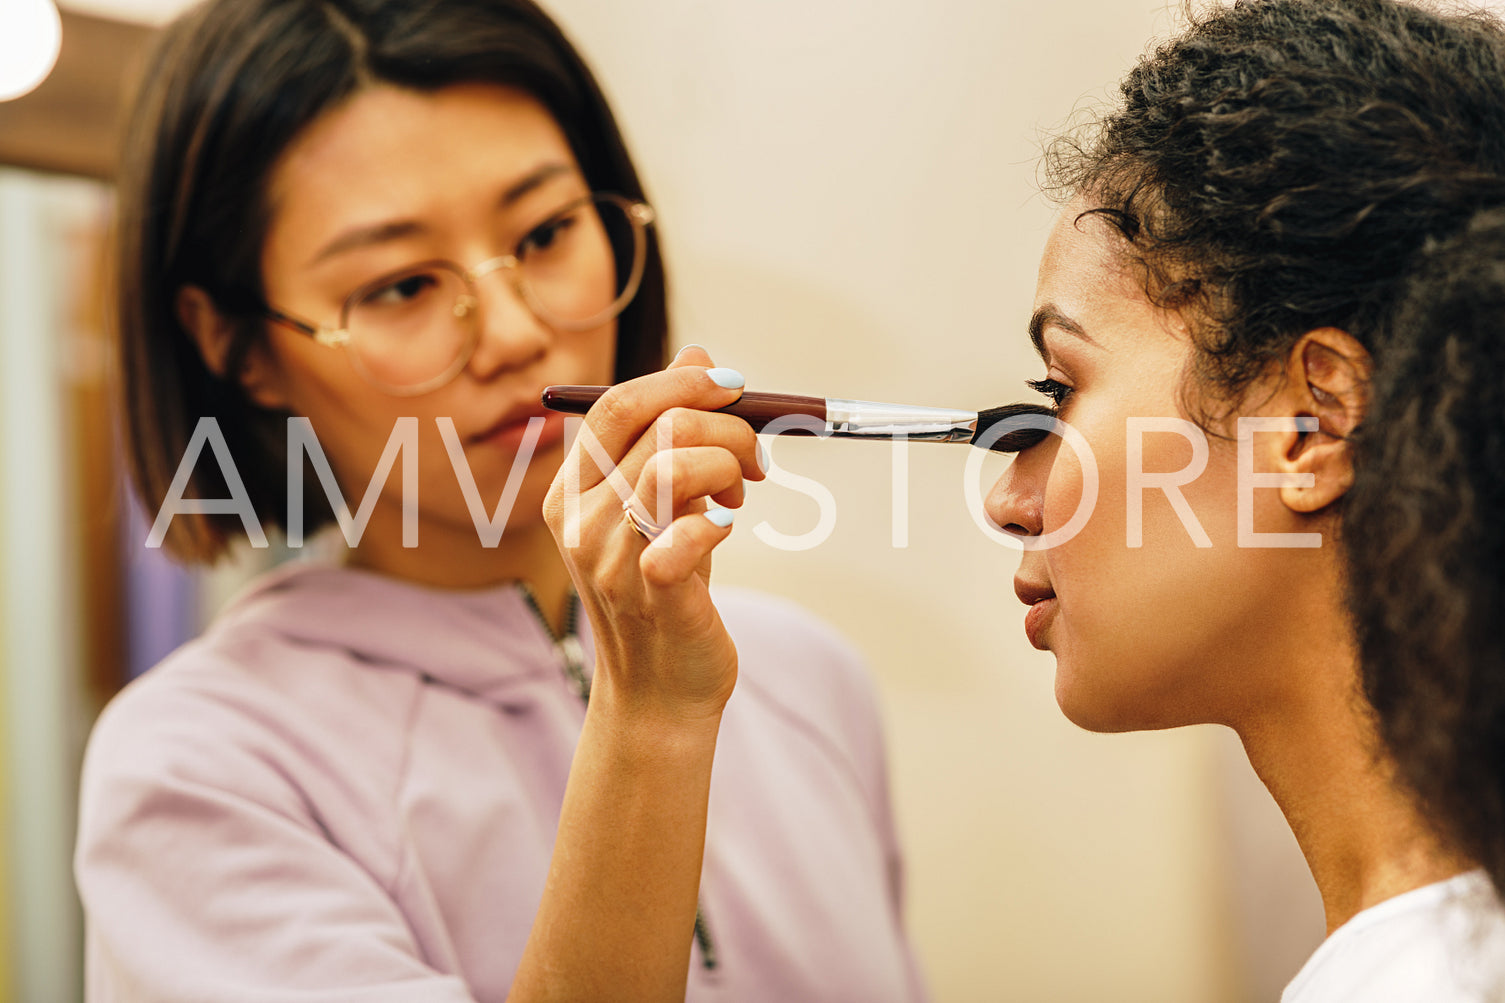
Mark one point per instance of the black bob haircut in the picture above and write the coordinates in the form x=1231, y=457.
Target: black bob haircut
x=229, y=86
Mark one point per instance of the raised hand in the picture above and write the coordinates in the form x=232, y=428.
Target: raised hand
x=654, y=445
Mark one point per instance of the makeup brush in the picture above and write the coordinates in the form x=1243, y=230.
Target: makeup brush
x=998, y=428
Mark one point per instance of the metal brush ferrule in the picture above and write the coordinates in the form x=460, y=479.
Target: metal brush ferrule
x=869, y=419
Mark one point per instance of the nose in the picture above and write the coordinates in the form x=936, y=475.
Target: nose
x=509, y=335
x=1016, y=501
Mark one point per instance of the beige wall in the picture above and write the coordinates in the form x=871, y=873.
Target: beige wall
x=849, y=203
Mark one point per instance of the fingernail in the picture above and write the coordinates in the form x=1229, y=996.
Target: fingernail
x=764, y=460
x=721, y=516
x=728, y=379
x=687, y=348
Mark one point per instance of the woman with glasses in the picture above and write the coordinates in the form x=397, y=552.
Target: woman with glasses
x=357, y=239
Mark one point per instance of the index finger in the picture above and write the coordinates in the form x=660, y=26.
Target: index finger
x=627, y=410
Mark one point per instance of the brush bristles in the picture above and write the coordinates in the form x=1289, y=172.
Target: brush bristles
x=998, y=428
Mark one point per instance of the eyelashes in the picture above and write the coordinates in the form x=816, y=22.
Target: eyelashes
x=1057, y=391
x=994, y=429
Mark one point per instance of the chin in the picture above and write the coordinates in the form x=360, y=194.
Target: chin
x=1109, y=710
x=1094, y=719
x=447, y=505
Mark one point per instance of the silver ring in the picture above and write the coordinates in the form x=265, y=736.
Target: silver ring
x=640, y=523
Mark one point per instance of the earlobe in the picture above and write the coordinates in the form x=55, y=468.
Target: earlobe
x=1327, y=375
x=214, y=334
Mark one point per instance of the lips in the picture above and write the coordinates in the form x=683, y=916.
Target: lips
x=508, y=431
x=1042, y=602
x=1030, y=593
x=512, y=417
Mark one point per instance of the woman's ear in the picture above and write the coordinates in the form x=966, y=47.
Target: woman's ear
x=214, y=334
x=1327, y=378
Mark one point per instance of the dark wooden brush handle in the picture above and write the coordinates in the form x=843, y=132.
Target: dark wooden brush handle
x=757, y=409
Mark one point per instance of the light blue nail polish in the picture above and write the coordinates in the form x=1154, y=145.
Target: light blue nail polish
x=687, y=348
x=764, y=460
x=729, y=379
x=721, y=516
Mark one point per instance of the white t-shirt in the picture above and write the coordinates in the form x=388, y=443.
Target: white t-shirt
x=1441, y=943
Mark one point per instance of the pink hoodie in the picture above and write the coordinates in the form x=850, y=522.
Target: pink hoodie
x=347, y=790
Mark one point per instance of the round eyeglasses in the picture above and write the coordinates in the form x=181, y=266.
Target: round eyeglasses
x=413, y=330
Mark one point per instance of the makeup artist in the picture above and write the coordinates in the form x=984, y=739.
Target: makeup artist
x=1233, y=240
x=365, y=213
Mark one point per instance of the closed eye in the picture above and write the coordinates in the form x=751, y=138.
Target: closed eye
x=1057, y=391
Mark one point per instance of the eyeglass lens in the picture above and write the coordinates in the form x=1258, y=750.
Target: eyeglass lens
x=576, y=271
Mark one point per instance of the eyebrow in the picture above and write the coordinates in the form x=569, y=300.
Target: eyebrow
x=380, y=233
x=1050, y=316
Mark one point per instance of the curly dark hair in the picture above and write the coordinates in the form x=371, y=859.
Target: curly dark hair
x=1425, y=538
x=1275, y=167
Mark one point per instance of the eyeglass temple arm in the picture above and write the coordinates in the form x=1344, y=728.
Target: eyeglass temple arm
x=302, y=326
x=322, y=335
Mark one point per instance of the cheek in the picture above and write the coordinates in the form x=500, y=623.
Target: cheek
x=354, y=421
x=1164, y=489
x=586, y=357
x=1085, y=480
x=1210, y=512
x=1175, y=490
x=1142, y=628
x=602, y=353
x=1067, y=487
x=1110, y=590
x=315, y=377
x=351, y=419
x=1088, y=569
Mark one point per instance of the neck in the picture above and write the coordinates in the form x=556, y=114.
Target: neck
x=1319, y=754
x=452, y=557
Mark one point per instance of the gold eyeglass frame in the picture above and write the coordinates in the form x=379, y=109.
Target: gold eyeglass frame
x=639, y=214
